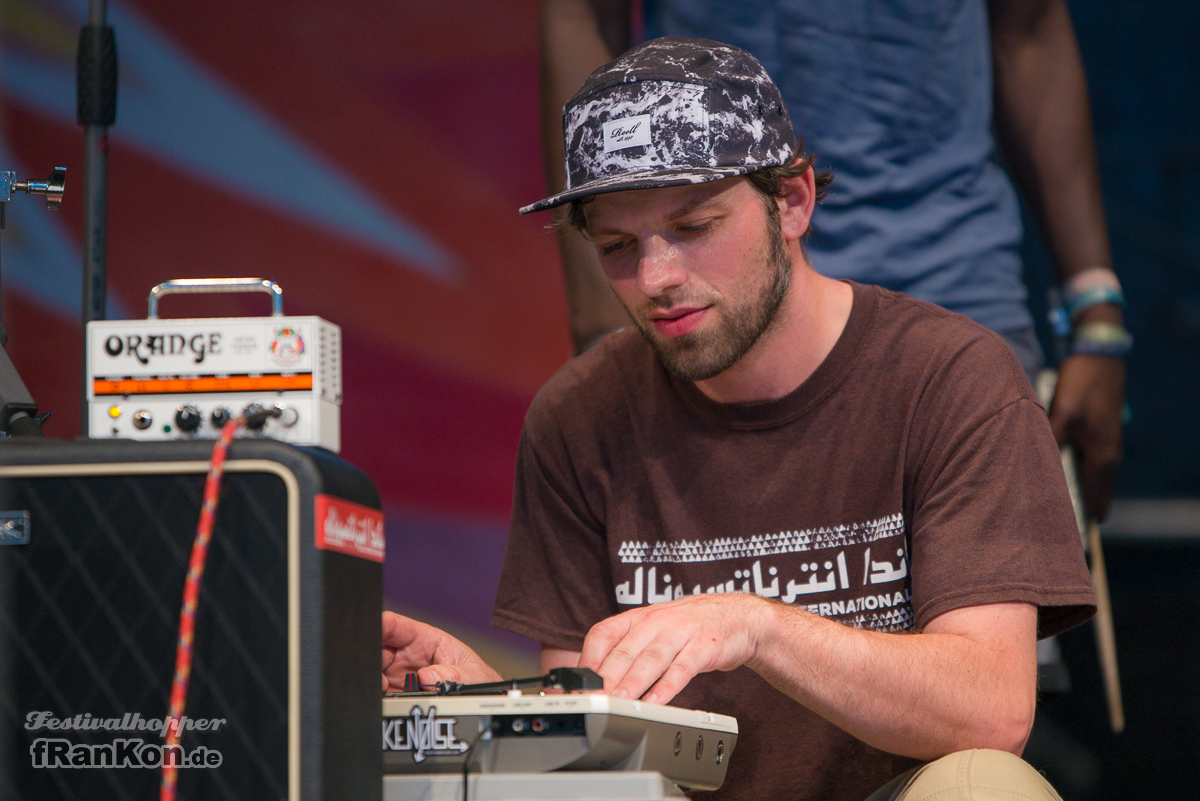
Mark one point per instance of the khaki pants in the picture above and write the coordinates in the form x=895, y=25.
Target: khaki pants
x=981, y=775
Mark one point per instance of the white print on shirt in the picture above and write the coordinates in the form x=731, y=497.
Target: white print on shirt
x=762, y=545
x=874, y=607
x=883, y=572
x=750, y=582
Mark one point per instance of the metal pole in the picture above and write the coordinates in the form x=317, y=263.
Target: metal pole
x=96, y=105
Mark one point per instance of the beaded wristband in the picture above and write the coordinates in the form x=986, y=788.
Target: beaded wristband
x=1101, y=339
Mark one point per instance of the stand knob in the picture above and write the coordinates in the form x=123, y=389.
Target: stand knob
x=52, y=187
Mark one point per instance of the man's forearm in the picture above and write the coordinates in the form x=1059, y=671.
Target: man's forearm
x=960, y=684
x=1044, y=125
x=1045, y=129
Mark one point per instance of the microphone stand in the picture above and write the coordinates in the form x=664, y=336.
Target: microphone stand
x=95, y=110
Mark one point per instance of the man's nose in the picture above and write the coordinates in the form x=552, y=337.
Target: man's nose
x=659, y=267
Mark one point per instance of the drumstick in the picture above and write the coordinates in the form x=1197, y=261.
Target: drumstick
x=1106, y=640
x=1089, y=531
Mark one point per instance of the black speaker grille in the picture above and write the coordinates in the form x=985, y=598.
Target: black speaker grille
x=89, y=611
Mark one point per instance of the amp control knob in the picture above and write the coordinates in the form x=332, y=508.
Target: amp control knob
x=219, y=417
x=188, y=418
x=254, y=410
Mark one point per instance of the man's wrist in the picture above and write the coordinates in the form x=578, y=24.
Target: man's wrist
x=1100, y=313
x=1101, y=339
x=765, y=620
x=1091, y=315
x=777, y=629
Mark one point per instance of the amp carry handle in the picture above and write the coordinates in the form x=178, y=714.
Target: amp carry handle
x=204, y=286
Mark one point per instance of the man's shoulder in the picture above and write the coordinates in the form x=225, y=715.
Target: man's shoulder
x=938, y=346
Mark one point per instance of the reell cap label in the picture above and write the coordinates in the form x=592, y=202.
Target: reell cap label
x=626, y=132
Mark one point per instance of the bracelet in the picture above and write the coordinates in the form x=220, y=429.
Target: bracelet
x=1093, y=297
x=1101, y=339
x=1096, y=276
x=1090, y=288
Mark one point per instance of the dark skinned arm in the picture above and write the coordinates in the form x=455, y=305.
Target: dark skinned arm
x=1044, y=125
x=576, y=37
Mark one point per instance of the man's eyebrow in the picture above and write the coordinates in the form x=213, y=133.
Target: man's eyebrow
x=697, y=204
x=692, y=206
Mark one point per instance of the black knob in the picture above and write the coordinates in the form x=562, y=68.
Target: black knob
x=188, y=418
x=219, y=417
x=254, y=419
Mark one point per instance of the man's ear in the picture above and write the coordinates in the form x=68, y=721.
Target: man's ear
x=796, y=204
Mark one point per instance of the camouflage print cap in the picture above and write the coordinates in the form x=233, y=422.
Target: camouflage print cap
x=669, y=112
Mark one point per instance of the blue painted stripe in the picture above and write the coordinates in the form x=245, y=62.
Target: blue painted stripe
x=171, y=106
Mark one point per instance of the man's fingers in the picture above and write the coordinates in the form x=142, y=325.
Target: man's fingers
x=426, y=676
x=1098, y=480
x=1060, y=423
x=414, y=642
x=686, y=665
x=429, y=676
x=601, y=640
x=399, y=631
x=623, y=641
x=652, y=664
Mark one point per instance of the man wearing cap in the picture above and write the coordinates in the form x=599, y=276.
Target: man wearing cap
x=830, y=510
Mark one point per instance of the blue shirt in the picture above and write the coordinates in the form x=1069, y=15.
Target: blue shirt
x=896, y=97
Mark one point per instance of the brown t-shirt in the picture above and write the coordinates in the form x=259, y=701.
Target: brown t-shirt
x=913, y=473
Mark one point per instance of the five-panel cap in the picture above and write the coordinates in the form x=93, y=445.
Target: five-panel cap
x=669, y=112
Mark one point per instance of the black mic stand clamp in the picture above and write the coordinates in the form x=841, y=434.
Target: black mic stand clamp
x=18, y=412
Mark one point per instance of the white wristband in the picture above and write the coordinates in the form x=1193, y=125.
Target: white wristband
x=1090, y=279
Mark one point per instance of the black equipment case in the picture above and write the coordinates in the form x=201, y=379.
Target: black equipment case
x=95, y=538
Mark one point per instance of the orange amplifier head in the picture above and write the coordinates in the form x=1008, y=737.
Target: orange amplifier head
x=158, y=379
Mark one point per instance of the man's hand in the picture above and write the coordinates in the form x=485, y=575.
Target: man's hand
x=409, y=645
x=967, y=681
x=1086, y=413
x=652, y=652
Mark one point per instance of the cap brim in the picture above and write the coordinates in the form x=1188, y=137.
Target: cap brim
x=645, y=179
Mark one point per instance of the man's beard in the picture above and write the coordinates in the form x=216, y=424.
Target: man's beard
x=700, y=355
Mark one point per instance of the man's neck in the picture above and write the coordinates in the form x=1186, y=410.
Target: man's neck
x=811, y=319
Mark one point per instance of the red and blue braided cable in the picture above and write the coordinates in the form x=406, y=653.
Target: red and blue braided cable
x=191, y=597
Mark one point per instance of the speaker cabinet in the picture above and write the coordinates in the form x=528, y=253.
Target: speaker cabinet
x=96, y=541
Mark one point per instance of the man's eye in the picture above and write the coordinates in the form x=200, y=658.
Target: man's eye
x=607, y=250
x=699, y=228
